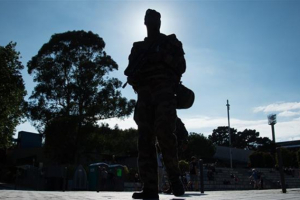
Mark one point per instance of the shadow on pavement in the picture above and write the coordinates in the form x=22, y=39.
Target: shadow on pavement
x=183, y=197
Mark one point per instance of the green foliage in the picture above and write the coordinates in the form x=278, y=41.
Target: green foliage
x=130, y=176
x=60, y=143
x=257, y=159
x=126, y=170
x=261, y=159
x=200, y=146
x=265, y=144
x=71, y=72
x=289, y=158
x=183, y=166
x=269, y=160
x=116, y=141
x=12, y=93
x=247, y=139
x=67, y=142
x=220, y=136
x=73, y=93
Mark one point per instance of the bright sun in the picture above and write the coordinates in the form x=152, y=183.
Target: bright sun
x=135, y=21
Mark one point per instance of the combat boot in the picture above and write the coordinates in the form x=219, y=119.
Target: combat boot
x=168, y=191
x=177, y=187
x=145, y=194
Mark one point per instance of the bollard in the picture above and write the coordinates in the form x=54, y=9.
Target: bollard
x=16, y=180
x=98, y=179
x=201, y=176
x=65, y=178
x=283, y=186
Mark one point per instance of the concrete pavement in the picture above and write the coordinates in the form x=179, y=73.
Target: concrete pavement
x=211, y=195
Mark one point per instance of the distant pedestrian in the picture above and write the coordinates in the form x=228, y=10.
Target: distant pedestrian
x=254, y=179
x=104, y=176
x=136, y=182
x=193, y=174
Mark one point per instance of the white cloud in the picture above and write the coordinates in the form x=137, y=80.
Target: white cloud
x=278, y=107
x=284, y=131
x=289, y=114
x=199, y=122
x=205, y=125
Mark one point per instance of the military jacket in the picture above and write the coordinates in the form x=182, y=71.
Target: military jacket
x=162, y=58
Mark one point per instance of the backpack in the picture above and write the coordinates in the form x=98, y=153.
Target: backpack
x=185, y=97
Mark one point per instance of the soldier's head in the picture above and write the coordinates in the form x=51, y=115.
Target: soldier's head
x=152, y=19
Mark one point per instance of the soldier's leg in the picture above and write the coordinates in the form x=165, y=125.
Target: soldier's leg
x=147, y=160
x=164, y=127
x=165, y=120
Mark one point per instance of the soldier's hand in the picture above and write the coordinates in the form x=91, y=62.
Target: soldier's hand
x=131, y=81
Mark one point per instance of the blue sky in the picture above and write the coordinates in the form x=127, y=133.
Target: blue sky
x=245, y=51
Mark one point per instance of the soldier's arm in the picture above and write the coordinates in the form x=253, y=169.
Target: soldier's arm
x=135, y=62
x=175, y=57
x=132, y=59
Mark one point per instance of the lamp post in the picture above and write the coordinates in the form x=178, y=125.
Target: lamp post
x=229, y=133
x=272, y=121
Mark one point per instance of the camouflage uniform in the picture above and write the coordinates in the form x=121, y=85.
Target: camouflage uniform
x=181, y=133
x=160, y=66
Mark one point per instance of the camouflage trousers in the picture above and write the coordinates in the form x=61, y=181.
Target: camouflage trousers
x=155, y=115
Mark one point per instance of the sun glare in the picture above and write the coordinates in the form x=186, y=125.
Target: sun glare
x=136, y=23
x=135, y=19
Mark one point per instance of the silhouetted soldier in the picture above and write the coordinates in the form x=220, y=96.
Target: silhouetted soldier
x=154, y=71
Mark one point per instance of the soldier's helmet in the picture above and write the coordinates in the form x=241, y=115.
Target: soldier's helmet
x=152, y=19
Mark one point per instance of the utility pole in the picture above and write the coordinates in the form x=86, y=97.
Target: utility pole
x=229, y=133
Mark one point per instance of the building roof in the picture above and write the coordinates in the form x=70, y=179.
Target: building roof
x=289, y=144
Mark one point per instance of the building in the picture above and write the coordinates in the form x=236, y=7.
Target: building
x=289, y=144
x=29, y=149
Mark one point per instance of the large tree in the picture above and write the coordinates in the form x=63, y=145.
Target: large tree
x=117, y=141
x=60, y=146
x=12, y=93
x=200, y=146
x=247, y=139
x=71, y=72
x=74, y=91
x=220, y=136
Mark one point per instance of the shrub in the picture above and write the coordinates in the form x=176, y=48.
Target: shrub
x=289, y=158
x=183, y=166
x=261, y=159
x=268, y=160
x=256, y=159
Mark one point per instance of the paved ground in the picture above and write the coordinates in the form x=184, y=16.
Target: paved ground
x=211, y=195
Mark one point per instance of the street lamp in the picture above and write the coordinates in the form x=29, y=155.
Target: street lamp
x=230, y=153
x=272, y=121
